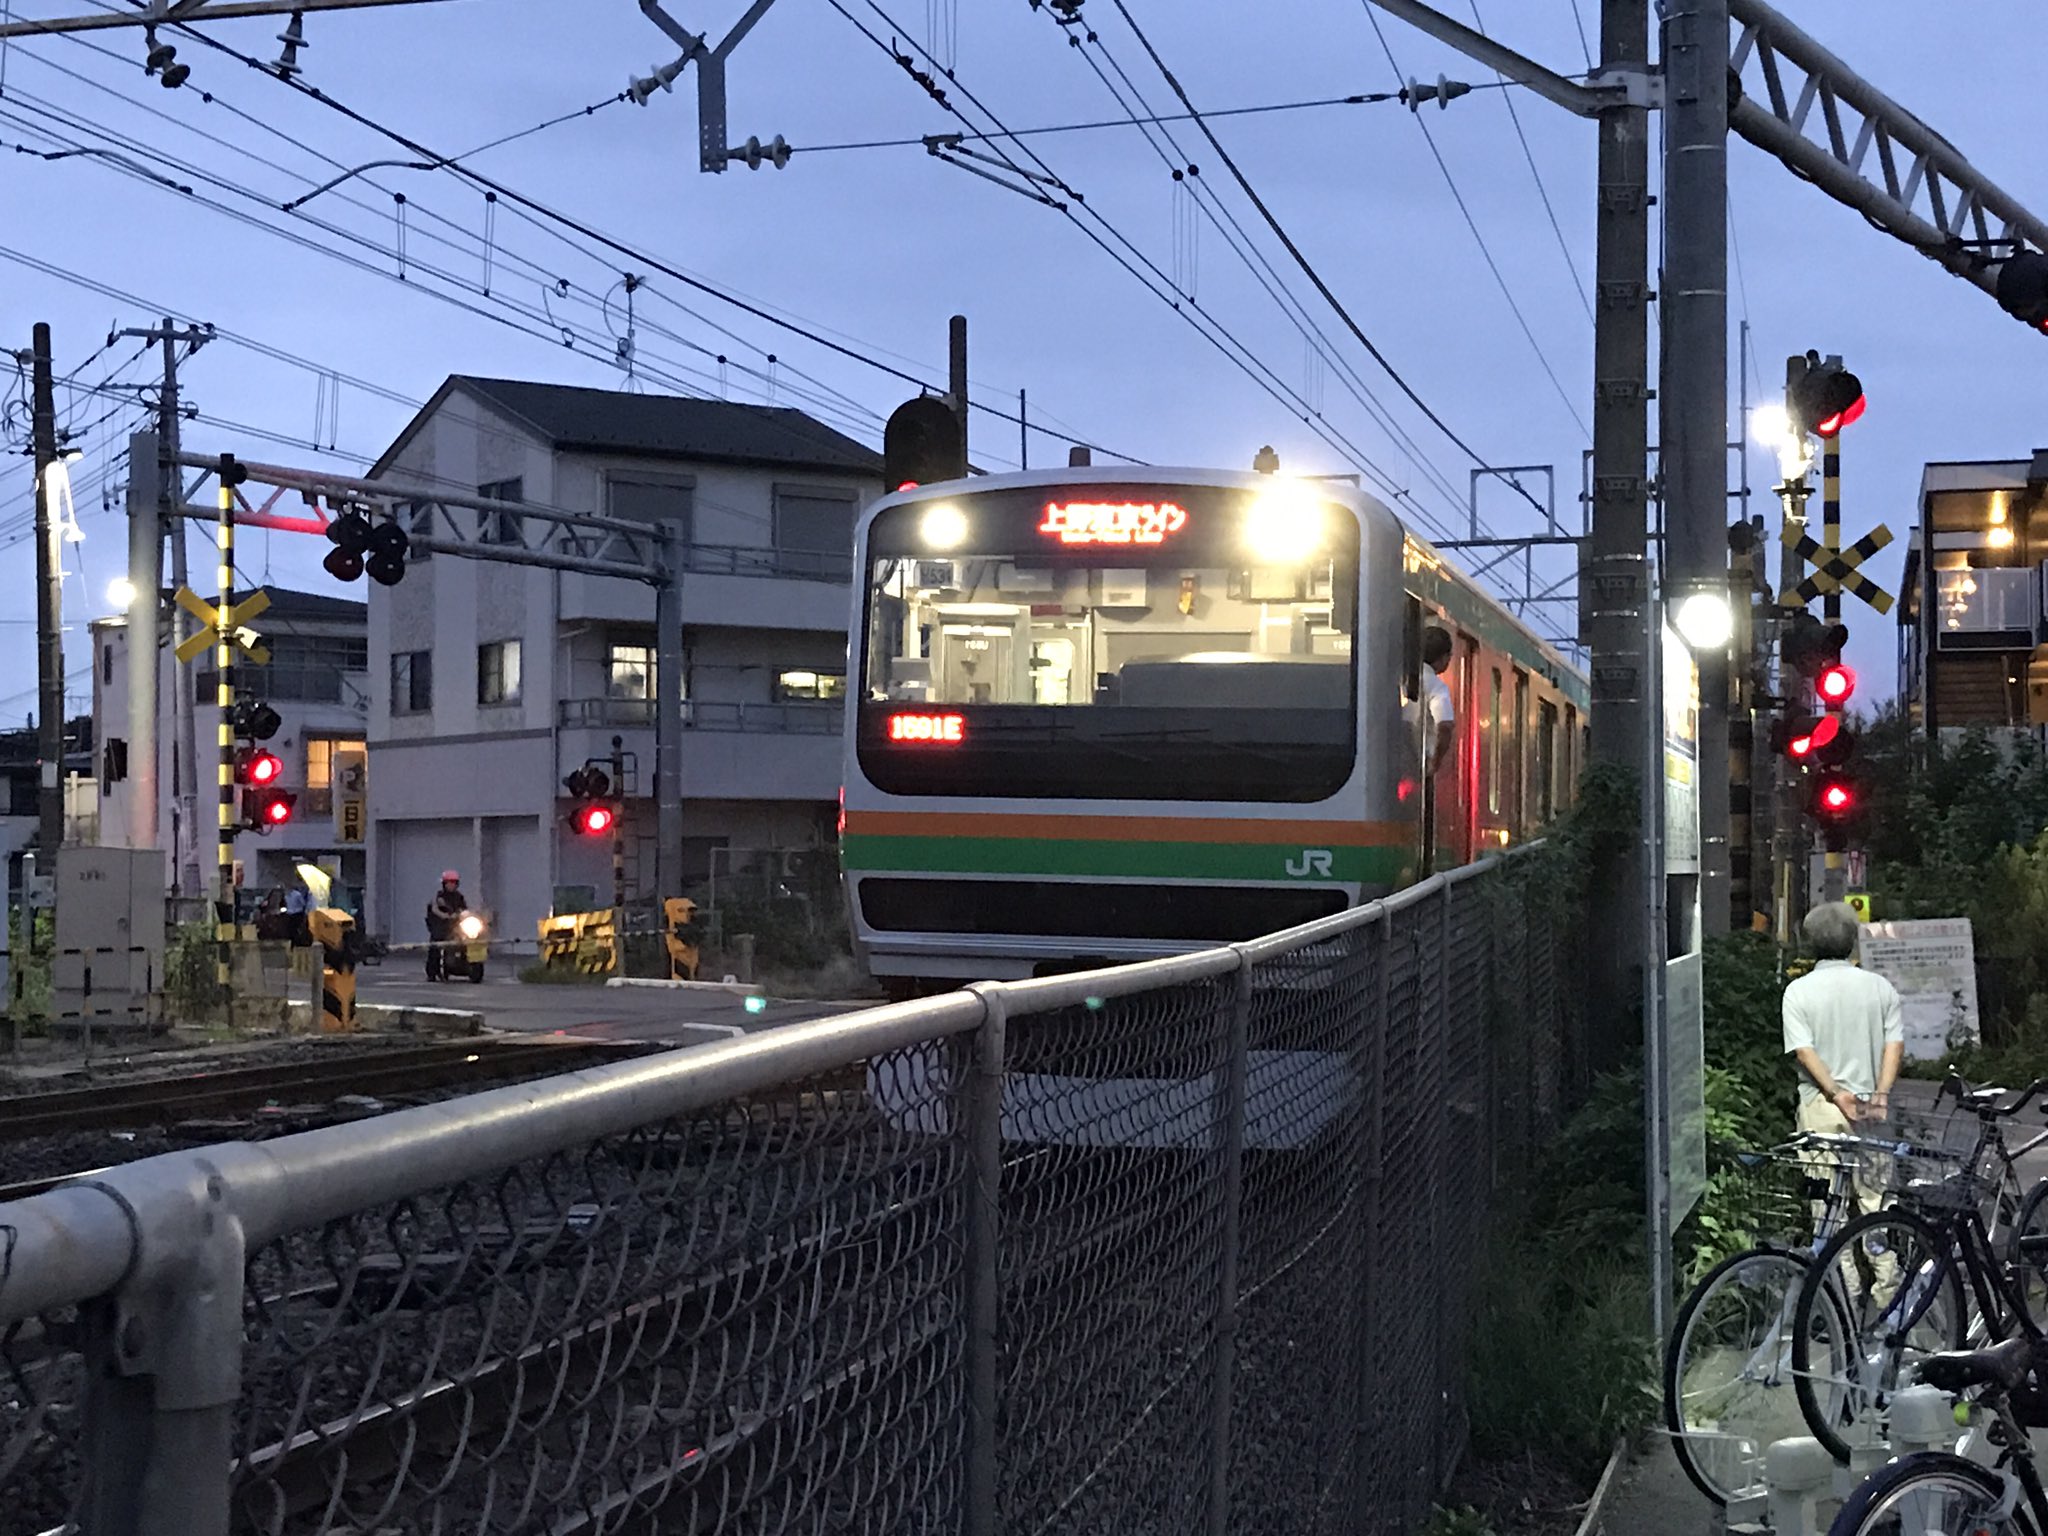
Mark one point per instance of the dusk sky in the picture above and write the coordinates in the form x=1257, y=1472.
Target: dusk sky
x=877, y=246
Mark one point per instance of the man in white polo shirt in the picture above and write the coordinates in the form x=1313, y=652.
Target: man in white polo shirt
x=1844, y=1027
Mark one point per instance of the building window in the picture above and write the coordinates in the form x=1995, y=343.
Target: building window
x=805, y=686
x=498, y=527
x=814, y=529
x=497, y=672
x=418, y=520
x=649, y=499
x=320, y=754
x=412, y=682
x=629, y=672
x=107, y=664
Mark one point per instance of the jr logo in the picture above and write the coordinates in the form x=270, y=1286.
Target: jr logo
x=1313, y=861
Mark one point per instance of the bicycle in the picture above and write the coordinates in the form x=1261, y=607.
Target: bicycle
x=1939, y=1493
x=1887, y=1290
x=1728, y=1370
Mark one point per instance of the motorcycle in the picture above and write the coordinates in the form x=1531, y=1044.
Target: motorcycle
x=464, y=952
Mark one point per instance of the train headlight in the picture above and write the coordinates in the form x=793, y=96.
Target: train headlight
x=1286, y=525
x=1705, y=621
x=943, y=527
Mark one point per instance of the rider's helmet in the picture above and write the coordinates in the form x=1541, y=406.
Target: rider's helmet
x=449, y=877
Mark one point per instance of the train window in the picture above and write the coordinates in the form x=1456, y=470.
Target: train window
x=1546, y=761
x=1493, y=744
x=1518, y=774
x=1571, y=753
x=1411, y=649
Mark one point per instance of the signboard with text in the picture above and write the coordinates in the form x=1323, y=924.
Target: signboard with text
x=1933, y=963
x=351, y=797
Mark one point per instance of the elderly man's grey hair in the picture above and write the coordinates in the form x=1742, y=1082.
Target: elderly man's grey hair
x=1831, y=930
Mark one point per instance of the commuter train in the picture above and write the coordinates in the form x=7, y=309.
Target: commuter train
x=1107, y=714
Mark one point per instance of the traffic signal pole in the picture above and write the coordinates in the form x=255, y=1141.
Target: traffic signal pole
x=224, y=736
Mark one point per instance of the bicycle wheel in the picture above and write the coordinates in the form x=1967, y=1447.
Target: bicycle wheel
x=2026, y=1254
x=1881, y=1296
x=1930, y=1493
x=1728, y=1372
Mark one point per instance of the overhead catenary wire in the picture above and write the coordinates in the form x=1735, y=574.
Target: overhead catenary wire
x=1106, y=236
x=618, y=247
x=1571, y=264
x=1262, y=270
x=1301, y=260
x=1472, y=224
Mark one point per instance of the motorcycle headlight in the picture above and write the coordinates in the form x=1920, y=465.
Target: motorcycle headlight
x=471, y=926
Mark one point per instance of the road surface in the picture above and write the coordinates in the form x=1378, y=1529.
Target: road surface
x=682, y=1015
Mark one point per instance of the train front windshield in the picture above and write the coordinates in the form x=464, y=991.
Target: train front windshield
x=1106, y=642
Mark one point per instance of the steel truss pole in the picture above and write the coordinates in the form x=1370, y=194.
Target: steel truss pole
x=1801, y=103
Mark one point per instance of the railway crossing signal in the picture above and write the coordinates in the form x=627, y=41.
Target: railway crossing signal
x=207, y=635
x=1836, y=570
x=922, y=443
x=2023, y=288
x=593, y=815
x=1825, y=399
x=265, y=803
x=360, y=547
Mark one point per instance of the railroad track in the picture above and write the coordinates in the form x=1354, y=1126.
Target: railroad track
x=157, y=1100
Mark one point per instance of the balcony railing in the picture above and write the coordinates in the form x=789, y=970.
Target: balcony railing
x=835, y=566
x=796, y=719
x=1995, y=599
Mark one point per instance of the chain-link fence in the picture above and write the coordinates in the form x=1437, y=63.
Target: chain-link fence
x=1179, y=1247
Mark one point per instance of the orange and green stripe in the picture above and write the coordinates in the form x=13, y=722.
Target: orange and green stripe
x=1126, y=847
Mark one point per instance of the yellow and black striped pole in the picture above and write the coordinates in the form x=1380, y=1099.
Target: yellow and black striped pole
x=224, y=702
x=1835, y=873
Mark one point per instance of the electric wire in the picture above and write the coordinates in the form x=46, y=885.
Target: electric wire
x=1485, y=250
x=1571, y=264
x=1307, y=267
x=532, y=205
x=1262, y=271
x=1157, y=283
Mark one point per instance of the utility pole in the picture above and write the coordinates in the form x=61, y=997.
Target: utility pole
x=1693, y=404
x=956, y=373
x=1788, y=840
x=185, y=876
x=1614, y=587
x=49, y=611
x=145, y=575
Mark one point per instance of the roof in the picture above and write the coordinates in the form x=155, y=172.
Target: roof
x=286, y=603
x=572, y=418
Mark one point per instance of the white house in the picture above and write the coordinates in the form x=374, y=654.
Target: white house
x=492, y=682
x=316, y=681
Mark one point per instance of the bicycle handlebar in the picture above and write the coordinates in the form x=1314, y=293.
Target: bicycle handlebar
x=1990, y=1111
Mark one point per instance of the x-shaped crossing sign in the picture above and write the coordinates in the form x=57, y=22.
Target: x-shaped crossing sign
x=243, y=638
x=1835, y=570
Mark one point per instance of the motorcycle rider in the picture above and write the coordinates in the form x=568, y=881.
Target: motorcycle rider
x=448, y=904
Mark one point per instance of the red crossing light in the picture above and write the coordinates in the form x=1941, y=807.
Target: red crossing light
x=1833, y=798
x=1835, y=683
x=263, y=768
x=596, y=820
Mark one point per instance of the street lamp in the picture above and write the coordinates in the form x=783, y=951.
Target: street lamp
x=1770, y=424
x=1705, y=621
x=121, y=593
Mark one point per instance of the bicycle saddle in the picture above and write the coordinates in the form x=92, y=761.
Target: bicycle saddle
x=2002, y=1365
x=1983, y=1098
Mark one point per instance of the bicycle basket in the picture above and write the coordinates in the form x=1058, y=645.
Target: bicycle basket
x=1925, y=1157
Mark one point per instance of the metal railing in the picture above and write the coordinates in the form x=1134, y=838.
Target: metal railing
x=804, y=719
x=1175, y=1247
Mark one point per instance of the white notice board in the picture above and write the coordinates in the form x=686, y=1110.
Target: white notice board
x=1933, y=963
